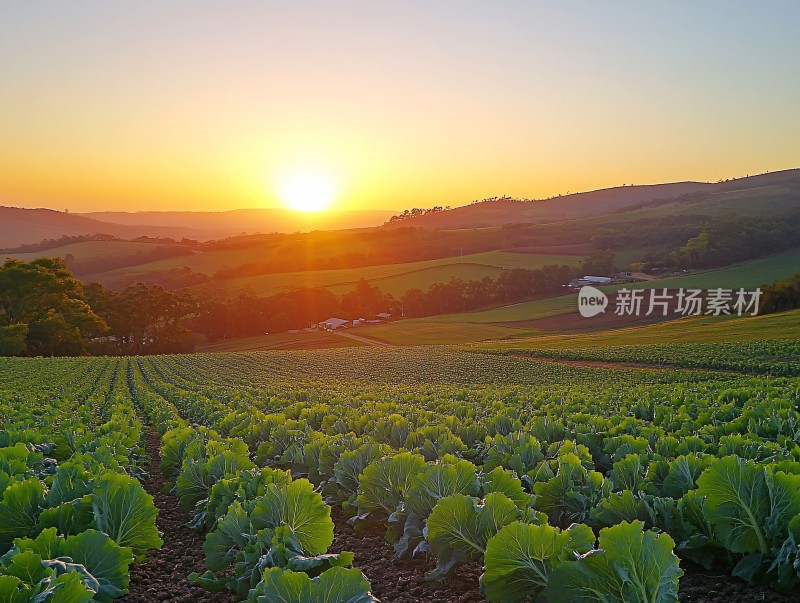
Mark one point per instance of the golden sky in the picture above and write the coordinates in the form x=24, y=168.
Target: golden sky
x=212, y=106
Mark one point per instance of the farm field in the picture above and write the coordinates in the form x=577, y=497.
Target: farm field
x=398, y=474
x=410, y=332
x=283, y=341
x=86, y=250
x=770, y=357
x=783, y=325
x=520, y=318
x=390, y=278
x=398, y=278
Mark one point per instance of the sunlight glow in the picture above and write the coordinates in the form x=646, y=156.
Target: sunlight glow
x=307, y=191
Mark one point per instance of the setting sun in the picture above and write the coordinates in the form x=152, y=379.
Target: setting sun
x=307, y=191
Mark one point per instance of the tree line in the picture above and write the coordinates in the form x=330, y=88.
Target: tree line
x=731, y=239
x=781, y=295
x=46, y=311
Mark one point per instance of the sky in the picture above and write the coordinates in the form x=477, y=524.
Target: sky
x=195, y=105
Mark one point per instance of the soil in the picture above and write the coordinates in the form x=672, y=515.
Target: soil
x=699, y=585
x=402, y=580
x=162, y=576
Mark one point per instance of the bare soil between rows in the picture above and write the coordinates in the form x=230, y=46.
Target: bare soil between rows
x=401, y=580
x=162, y=576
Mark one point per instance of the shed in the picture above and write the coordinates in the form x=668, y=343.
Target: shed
x=334, y=323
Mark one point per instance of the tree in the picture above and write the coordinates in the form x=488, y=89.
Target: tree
x=50, y=303
x=599, y=263
x=146, y=319
x=12, y=339
x=364, y=300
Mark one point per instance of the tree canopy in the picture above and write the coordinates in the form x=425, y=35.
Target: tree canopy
x=44, y=306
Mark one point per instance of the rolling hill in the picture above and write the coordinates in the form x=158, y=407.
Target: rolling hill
x=611, y=201
x=20, y=226
x=219, y=224
x=557, y=314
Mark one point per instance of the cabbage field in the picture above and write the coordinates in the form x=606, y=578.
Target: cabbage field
x=399, y=474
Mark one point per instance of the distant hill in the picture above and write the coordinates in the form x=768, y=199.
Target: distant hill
x=20, y=226
x=24, y=226
x=508, y=211
x=267, y=220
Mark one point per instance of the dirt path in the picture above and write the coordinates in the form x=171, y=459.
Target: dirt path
x=162, y=576
x=368, y=340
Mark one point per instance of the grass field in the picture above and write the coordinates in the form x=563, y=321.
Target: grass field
x=391, y=278
x=785, y=325
x=502, y=323
x=761, y=201
x=88, y=250
x=462, y=328
x=398, y=278
x=747, y=274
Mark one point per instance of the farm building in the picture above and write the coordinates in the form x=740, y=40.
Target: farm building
x=596, y=280
x=589, y=280
x=334, y=323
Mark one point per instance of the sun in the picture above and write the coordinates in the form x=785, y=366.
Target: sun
x=307, y=191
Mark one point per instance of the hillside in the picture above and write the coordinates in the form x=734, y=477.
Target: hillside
x=20, y=226
x=559, y=314
x=218, y=224
x=600, y=202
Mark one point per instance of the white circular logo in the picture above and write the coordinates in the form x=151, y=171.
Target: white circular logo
x=591, y=301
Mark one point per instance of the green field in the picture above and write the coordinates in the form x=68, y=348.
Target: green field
x=761, y=201
x=391, y=278
x=785, y=325
x=398, y=278
x=462, y=328
x=89, y=250
x=270, y=458
x=503, y=322
x=747, y=274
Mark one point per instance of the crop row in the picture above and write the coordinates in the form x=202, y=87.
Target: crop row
x=558, y=481
x=525, y=478
x=780, y=358
x=73, y=515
